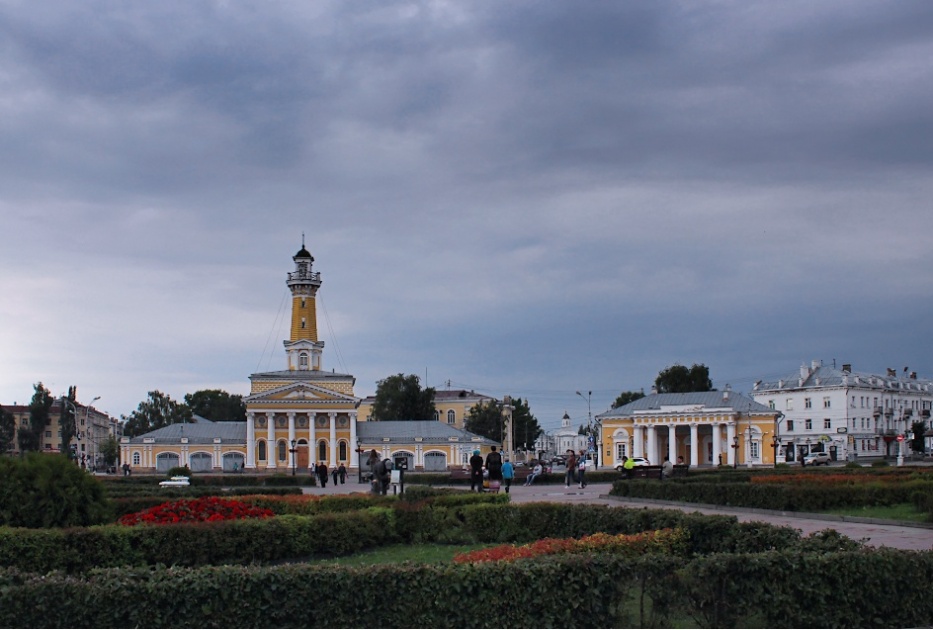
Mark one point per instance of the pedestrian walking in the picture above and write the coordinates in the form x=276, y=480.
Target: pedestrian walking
x=508, y=474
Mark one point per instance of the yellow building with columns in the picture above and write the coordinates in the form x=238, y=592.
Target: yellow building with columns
x=703, y=428
x=302, y=410
x=301, y=416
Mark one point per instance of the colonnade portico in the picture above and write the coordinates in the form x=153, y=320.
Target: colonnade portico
x=645, y=441
x=311, y=431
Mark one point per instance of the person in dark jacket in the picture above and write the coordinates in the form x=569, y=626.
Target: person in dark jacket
x=321, y=472
x=476, y=471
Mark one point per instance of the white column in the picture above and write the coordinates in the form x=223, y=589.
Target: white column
x=638, y=441
x=730, y=438
x=271, y=451
x=672, y=442
x=354, y=456
x=291, y=428
x=250, y=440
x=694, y=444
x=333, y=438
x=312, y=440
x=717, y=442
x=652, y=445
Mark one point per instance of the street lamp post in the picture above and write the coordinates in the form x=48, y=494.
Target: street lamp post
x=589, y=419
x=735, y=452
x=359, y=457
x=293, y=450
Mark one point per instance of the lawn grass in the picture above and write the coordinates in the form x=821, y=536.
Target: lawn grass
x=394, y=554
x=898, y=512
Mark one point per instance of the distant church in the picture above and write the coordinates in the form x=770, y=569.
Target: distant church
x=300, y=416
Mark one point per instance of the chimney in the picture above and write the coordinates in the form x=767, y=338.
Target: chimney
x=892, y=373
x=846, y=367
x=725, y=393
x=816, y=364
x=654, y=389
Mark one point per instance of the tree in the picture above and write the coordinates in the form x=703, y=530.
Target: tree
x=110, y=450
x=678, y=379
x=7, y=431
x=626, y=397
x=400, y=397
x=486, y=419
x=217, y=405
x=917, y=443
x=525, y=427
x=30, y=435
x=158, y=411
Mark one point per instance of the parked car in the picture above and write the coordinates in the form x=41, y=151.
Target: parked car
x=175, y=482
x=815, y=459
x=639, y=461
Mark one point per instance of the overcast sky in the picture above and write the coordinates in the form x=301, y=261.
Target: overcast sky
x=524, y=198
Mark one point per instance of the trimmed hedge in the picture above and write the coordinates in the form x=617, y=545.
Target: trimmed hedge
x=333, y=533
x=790, y=589
x=791, y=497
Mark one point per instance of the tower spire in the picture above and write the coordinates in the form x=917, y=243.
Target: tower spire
x=303, y=346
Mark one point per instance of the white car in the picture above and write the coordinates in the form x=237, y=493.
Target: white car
x=639, y=461
x=175, y=482
x=815, y=459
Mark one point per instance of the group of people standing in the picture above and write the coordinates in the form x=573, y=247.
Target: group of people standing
x=499, y=471
x=339, y=473
x=576, y=468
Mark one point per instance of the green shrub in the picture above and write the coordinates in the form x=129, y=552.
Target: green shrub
x=880, y=463
x=45, y=490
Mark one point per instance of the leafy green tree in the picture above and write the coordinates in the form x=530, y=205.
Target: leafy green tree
x=30, y=435
x=917, y=443
x=110, y=450
x=679, y=379
x=486, y=418
x=626, y=397
x=157, y=411
x=7, y=431
x=217, y=405
x=48, y=490
x=400, y=397
x=525, y=427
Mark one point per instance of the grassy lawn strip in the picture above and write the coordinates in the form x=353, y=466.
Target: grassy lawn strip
x=419, y=554
x=899, y=512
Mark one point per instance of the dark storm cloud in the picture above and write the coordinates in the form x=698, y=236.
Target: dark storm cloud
x=543, y=196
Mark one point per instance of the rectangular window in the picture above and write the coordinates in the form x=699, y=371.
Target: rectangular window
x=771, y=404
x=826, y=402
x=808, y=423
x=621, y=450
x=790, y=425
x=790, y=404
x=807, y=403
x=48, y=434
x=827, y=423
x=754, y=449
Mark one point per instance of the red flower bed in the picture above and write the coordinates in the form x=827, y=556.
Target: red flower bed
x=202, y=510
x=663, y=541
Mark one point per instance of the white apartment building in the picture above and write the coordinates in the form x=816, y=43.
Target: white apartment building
x=848, y=414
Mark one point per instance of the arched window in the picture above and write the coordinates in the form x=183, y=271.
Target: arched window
x=303, y=360
x=322, y=451
x=436, y=416
x=283, y=451
x=451, y=417
x=137, y=460
x=343, y=451
x=262, y=450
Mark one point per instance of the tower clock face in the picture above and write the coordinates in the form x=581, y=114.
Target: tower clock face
x=302, y=422
x=321, y=422
x=342, y=421
x=261, y=422
x=280, y=422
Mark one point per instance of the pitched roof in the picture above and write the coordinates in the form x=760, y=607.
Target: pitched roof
x=713, y=400
x=407, y=430
x=201, y=431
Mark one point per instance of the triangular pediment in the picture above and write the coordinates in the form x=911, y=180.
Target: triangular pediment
x=302, y=394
